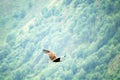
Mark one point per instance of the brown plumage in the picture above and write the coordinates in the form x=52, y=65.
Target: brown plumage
x=52, y=55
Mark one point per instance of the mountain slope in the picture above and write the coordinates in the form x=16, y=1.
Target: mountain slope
x=85, y=31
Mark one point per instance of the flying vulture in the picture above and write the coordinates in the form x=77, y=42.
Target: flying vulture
x=52, y=56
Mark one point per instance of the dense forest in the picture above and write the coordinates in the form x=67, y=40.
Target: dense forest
x=86, y=32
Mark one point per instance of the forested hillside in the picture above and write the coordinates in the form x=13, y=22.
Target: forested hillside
x=86, y=32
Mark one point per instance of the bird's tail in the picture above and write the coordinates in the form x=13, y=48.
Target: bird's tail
x=46, y=51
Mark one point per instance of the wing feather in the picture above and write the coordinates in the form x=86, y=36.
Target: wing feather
x=51, y=54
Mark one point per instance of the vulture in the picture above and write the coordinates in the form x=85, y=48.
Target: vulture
x=52, y=56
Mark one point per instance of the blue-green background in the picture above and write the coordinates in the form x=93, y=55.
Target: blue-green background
x=87, y=32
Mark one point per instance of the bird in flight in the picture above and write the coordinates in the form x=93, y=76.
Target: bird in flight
x=52, y=56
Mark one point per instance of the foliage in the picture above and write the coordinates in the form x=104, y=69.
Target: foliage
x=86, y=32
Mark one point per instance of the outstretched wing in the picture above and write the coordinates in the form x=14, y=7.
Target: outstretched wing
x=46, y=51
x=51, y=54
